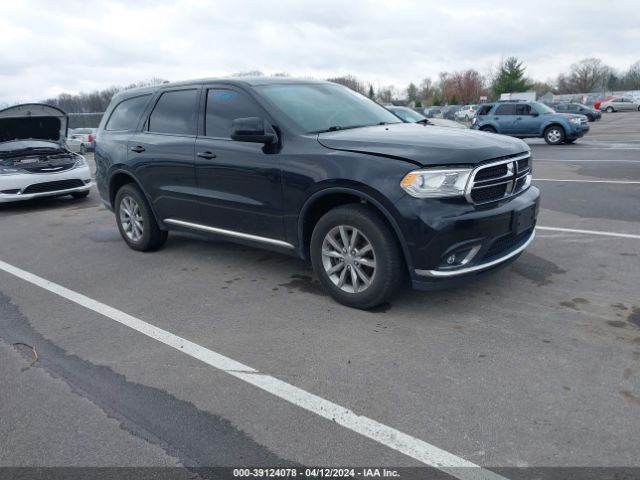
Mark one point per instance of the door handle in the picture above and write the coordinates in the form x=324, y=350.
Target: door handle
x=137, y=149
x=207, y=155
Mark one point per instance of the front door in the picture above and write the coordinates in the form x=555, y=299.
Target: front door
x=239, y=183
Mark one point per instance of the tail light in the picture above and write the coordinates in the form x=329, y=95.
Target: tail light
x=90, y=138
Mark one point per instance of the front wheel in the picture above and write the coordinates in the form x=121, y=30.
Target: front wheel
x=136, y=222
x=554, y=135
x=356, y=256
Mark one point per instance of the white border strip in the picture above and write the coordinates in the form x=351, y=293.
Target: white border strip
x=590, y=232
x=568, y=160
x=367, y=427
x=621, y=182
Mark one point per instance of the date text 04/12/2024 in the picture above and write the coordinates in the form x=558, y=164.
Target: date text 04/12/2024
x=315, y=473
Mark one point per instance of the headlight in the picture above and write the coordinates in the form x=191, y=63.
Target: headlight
x=575, y=121
x=10, y=171
x=80, y=162
x=436, y=183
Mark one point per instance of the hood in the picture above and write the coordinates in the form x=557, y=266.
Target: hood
x=33, y=121
x=424, y=145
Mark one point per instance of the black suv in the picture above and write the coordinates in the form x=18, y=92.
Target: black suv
x=316, y=170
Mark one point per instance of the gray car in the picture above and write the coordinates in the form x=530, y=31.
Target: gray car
x=620, y=104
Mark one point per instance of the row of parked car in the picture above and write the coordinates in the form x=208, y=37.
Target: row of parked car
x=608, y=104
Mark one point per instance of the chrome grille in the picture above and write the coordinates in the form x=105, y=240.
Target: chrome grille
x=499, y=179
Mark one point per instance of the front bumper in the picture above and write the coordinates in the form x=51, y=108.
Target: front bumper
x=452, y=241
x=15, y=188
x=577, y=131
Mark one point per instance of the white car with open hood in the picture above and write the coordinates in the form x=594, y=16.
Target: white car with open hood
x=35, y=160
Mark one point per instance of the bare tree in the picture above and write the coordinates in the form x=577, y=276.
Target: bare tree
x=351, y=82
x=466, y=86
x=631, y=78
x=587, y=75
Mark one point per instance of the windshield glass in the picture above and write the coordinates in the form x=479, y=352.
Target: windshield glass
x=542, y=108
x=408, y=115
x=321, y=107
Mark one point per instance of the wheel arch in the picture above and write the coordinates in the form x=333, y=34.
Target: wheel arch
x=328, y=198
x=121, y=177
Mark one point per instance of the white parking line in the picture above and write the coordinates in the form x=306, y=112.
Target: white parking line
x=590, y=232
x=388, y=436
x=621, y=182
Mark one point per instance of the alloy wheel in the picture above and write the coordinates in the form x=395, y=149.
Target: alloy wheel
x=131, y=218
x=348, y=259
x=554, y=135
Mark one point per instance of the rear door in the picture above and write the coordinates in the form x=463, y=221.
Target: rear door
x=162, y=154
x=505, y=116
x=239, y=183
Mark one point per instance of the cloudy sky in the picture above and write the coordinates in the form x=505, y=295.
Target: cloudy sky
x=70, y=46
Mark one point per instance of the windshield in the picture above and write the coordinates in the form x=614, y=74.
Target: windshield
x=320, y=107
x=408, y=115
x=542, y=108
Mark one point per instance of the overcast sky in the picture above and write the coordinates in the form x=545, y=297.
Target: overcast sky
x=70, y=46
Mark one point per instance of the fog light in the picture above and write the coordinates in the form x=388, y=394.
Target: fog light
x=451, y=259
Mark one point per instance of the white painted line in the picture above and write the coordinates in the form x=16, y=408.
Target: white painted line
x=586, y=160
x=388, y=436
x=590, y=232
x=621, y=182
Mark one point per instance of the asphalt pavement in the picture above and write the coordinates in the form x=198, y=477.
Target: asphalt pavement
x=537, y=365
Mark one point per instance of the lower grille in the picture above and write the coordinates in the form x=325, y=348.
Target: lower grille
x=53, y=186
x=506, y=243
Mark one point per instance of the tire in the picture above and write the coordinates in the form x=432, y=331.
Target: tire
x=384, y=265
x=136, y=222
x=488, y=129
x=79, y=195
x=609, y=110
x=466, y=118
x=554, y=135
x=83, y=150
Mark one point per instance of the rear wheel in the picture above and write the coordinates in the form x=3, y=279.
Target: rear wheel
x=554, y=135
x=136, y=222
x=609, y=109
x=356, y=256
x=83, y=149
x=488, y=129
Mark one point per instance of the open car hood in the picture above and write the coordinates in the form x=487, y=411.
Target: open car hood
x=424, y=145
x=33, y=121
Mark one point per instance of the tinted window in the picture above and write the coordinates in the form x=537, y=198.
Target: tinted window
x=506, y=109
x=126, y=114
x=561, y=107
x=223, y=107
x=175, y=113
x=523, y=109
x=484, y=109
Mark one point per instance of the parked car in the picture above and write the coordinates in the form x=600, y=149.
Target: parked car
x=75, y=145
x=87, y=136
x=316, y=170
x=597, y=104
x=449, y=112
x=590, y=113
x=531, y=119
x=34, y=159
x=466, y=113
x=620, y=104
x=411, y=116
x=433, y=112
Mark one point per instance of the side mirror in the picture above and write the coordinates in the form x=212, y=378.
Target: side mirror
x=253, y=129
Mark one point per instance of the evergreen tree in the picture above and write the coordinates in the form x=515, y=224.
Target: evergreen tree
x=372, y=94
x=510, y=77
